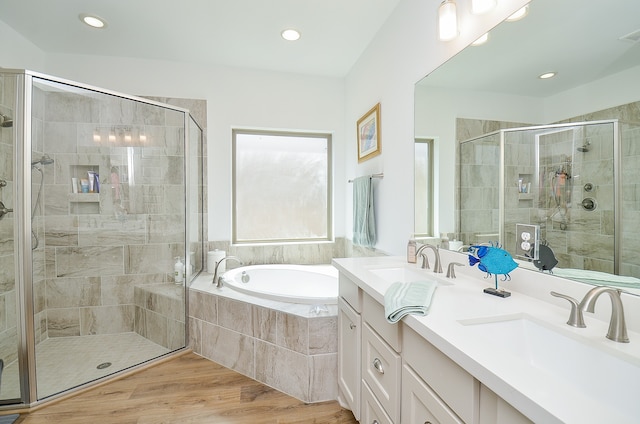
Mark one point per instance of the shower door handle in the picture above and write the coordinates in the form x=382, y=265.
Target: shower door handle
x=4, y=210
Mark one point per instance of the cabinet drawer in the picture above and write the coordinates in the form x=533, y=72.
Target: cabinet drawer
x=349, y=355
x=350, y=292
x=373, y=313
x=420, y=404
x=381, y=369
x=372, y=411
x=456, y=387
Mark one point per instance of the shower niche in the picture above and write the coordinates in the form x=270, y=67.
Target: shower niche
x=537, y=175
x=93, y=276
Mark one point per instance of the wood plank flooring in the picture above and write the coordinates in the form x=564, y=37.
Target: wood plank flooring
x=187, y=390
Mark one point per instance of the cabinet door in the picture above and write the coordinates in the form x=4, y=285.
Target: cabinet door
x=381, y=370
x=372, y=411
x=420, y=404
x=349, y=352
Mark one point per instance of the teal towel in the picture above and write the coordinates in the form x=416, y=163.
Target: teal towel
x=408, y=298
x=364, y=222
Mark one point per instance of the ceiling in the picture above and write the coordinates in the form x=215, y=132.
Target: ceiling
x=578, y=39
x=238, y=33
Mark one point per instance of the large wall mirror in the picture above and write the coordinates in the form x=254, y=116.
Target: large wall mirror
x=562, y=154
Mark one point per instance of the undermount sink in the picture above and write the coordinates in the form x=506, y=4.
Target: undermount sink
x=595, y=370
x=405, y=274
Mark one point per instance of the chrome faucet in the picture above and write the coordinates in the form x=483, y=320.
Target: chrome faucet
x=217, y=280
x=437, y=267
x=617, y=326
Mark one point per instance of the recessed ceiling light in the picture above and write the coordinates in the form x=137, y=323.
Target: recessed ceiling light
x=290, y=34
x=548, y=75
x=93, y=21
x=483, y=39
x=521, y=13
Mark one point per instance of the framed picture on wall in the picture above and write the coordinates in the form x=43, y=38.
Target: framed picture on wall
x=369, y=143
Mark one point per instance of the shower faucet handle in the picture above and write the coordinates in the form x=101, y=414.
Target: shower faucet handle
x=4, y=210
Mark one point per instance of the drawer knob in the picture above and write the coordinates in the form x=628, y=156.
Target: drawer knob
x=352, y=326
x=377, y=364
x=375, y=422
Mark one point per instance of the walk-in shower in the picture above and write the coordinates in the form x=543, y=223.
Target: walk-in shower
x=576, y=181
x=100, y=192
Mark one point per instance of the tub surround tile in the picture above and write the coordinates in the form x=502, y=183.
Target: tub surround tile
x=323, y=335
x=235, y=316
x=285, y=337
x=228, y=348
x=293, y=332
x=203, y=306
x=271, y=360
x=264, y=324
x=323, y=378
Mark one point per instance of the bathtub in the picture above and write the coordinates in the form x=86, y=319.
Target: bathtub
x=303, y=284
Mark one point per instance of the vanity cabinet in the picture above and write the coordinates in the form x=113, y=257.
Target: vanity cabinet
x=349, y=344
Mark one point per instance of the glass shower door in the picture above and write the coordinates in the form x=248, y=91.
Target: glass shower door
x=109, y=223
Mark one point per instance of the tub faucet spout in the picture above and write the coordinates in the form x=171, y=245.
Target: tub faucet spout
x=617, y=326
x=217, y=280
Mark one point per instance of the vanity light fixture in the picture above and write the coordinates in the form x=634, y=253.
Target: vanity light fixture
x=480, y=41
x=548, y=75
x=447, y=20
x=93, y=21
x=290, y=34
x=478, y=7
x=521, y=13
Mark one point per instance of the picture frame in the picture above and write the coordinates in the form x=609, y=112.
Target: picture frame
x=368, y=134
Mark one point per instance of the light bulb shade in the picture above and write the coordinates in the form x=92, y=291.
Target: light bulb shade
x=447, y=20
x=479, y=7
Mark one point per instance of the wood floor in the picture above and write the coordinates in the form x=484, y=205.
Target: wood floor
x=187, y=390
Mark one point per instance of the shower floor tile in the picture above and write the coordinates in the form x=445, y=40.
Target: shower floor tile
x=66, y=362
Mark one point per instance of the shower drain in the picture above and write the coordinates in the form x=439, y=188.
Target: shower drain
x=104, y=365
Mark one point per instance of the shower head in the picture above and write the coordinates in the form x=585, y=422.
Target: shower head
x=44, y=160
x=5, y=121
x=584, y=148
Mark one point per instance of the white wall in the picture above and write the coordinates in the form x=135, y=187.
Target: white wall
x=17, y=52
x=403, y=52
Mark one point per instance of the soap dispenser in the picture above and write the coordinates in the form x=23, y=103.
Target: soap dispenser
x=178, y=270
x=411, y=251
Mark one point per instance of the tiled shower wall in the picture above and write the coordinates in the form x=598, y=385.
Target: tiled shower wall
x=590, y=233
x=94, y=250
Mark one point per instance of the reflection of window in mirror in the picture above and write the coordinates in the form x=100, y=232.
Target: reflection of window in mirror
x=423, y=183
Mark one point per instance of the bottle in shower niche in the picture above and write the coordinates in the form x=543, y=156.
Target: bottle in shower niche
x=178, y=271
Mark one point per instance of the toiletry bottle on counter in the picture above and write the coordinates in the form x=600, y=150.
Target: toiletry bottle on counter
x=411, y=251
x=178, y=271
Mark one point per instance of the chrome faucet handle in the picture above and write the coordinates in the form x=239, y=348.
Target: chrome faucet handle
x=451, y=272
x=576, y=318
x=617, y=325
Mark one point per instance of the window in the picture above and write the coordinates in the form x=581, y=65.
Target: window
x=281, y=187
x=424, y=187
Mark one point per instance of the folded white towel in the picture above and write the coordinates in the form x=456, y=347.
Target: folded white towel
x=414, y=297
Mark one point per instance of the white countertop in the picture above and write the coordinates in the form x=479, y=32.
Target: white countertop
x=538, y=394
